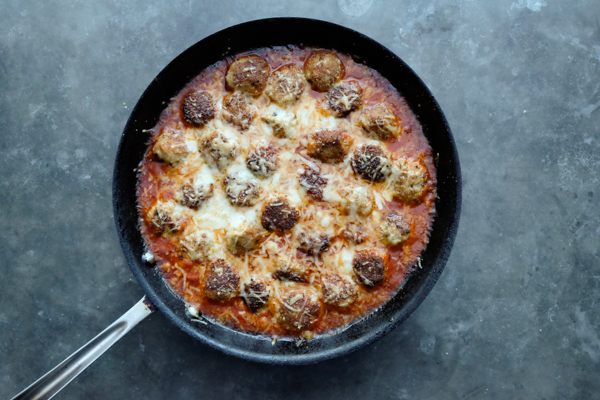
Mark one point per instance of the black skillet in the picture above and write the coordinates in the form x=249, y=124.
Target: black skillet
x=245, y=37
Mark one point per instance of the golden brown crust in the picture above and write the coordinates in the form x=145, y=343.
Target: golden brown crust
x=198, y=108
x=344, y=98
x=221, y=282
x=286, y=85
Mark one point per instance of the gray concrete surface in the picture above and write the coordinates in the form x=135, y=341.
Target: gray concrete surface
x=516, y=312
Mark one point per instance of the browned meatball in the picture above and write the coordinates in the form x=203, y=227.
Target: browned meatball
x=193, y=194
x=369, y=267
x=329, y=145
x=354, y=233
x=255, y=294
x=164, y=217
x=221, y=282
x=338, y=291
x=394, y=229
x=244, y=239
x=323, y=69
x=408, y=180
x=371, y=163
x=380, y=122
x=237, y=111
x=170, y=147
x=313, y=244
x=312, y=180
x=286, y=85
x=198, y=108
x=248, y=74
x=291, y=270
x=242, y=188
x=298, y=310
x=218, y=149
x=263, y=160
x=279, y=216
x=343, y=99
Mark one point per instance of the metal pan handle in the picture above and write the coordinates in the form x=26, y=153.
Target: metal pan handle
x=51, y=383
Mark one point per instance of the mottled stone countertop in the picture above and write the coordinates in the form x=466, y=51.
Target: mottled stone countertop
x=515, y=315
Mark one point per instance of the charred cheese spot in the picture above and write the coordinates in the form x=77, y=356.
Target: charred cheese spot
x=248, y=74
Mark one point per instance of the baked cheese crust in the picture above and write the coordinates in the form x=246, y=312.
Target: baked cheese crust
x=286, y=192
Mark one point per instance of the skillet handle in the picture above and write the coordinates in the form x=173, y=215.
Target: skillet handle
x=51, y=383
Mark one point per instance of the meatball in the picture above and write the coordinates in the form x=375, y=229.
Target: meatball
x=279, y=216
x=286, y=85
x=338, y=291
x=380, y=122
x=369, y=267
x=323, y=69
x=221, y=282
x=170, y=147
x=313, y=244
x=237, y=111
x=244, y=239
x=371, y=163
x=255, y=294
x=343, y=99
x=329, y=145
x=394, y=229
x=282, y=123
x=218, y=149
x=263, y=160
x=291, y=270
x=164, y=218
x=198, y=108
x=242, y=188
x=299, y=309
x=197, y=244
x=408, y=180
x=312, y=180
x=248, y=74
x=356, y=200
x=194, y=193
x=354, y=233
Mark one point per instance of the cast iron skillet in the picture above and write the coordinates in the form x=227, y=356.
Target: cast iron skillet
x=245, y=37
x=282, y=32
